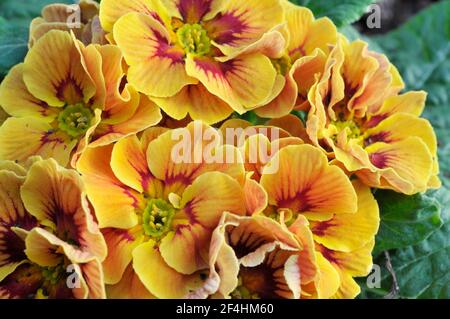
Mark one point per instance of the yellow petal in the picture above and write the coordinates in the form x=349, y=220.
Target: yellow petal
x=129, y=287
x=349, y=288
x=194, y=11
x=21, y=138
x=12, y=214
x=305, y=182
x=400, y=126
x=55, y=196
x=179, y=156
x=203, y=204
x=121, y=244
x=129, y=163
x=161, y=280
x=243, y=22
x=244, y=82
x=284, y=103
x=356, y=263
x=120, y=103
x=112, y=10
x=156, y=67
x=146, y=115
x=308, y=34
x=54, y=77
x=115, y=204
x=255, y=197
x=406, y=165
x=198, y=102
x=347, y=232
x=17, y=101
x=307, y=257
x=329, y=281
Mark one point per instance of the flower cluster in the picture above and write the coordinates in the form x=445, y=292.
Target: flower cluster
x=127, y=170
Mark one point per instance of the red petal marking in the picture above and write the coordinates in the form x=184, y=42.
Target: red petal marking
x=225, y=27
x=299, y=203
x=327, y=253
x=379, y=137
x=22, y=283
x=298, y=52
x=193, y=220
x=321, y=228
x=50, y=138
x=216, y=69
x=10, y=244
x=184, y=178
x=379, y=160
x=129, y=193
x=164, y=49
x=193, y=11
x=146, y=10
x=375, y=120
x=122, y=234
x=145, y=175
x=69, y=91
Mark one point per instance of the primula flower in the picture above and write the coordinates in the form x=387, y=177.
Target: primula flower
x=343, y=218
x=309, y=42
x=66, y=96
x=358, y=116
x=257, y=144
x=48, y=236
x=80, y=18
x=157, y=214
x=253, y=257
x=205, y=58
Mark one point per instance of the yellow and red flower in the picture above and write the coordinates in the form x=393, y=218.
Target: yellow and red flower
x=205, y=58
x=343, y=218
x=82, y=19
x=359, y=118
x=309, y=42
x=158, y=214
x=257, y=144
x=254, y=257
x=49, y=239
x=65, y=97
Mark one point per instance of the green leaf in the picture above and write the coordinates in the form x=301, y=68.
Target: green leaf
x=422, y=270
x=421, y=51
x=421, y=45
x=15, y=17
x=405, y=220
x=342, y=12
x=13, y=45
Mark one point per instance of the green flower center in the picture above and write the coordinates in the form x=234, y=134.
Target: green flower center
x=75, y=119
x=194, y=39
x=53, y=275
x=242, y=292
x=282, y=65
x=353, y=130
x=157, y=218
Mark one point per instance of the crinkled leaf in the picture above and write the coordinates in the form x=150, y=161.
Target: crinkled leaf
x=420, y=46
x=405, y=220
x=13, y=45
x=15, y=17
x=422, y=270
x=342, y=12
